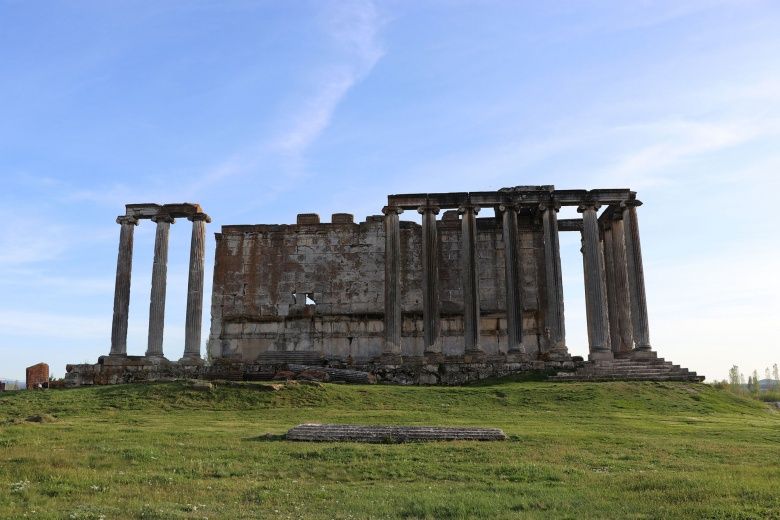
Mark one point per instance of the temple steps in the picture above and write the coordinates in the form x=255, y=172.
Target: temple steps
x=389, y=434
x=629, y=370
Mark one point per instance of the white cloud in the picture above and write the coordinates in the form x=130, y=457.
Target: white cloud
x=353, y=26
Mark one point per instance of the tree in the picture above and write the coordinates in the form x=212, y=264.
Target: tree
x=734, y=377
x=756, y=383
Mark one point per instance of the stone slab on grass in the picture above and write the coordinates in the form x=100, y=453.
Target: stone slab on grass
x=390, y=434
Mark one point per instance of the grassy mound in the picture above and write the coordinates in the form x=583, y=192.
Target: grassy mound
x=576, y=450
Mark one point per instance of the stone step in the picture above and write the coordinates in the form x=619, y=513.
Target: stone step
x=581, y=378
x=389, y=434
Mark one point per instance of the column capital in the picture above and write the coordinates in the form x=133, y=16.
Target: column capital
x=468, y=207
x=198, y=217
x=163, y=217
x=635, y=203
x=508, y=206
x=127, y=219
x=588, y=205
x=550, y=204
x=428, y=207
x=392, y=209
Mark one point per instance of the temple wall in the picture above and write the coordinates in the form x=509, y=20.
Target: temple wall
x=263, y=273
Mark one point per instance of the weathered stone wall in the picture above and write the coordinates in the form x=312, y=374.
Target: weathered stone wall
x=38, y=376
x=264, y=275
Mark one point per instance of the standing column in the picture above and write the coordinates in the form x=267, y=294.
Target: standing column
x=607, y=253
x=555, y=325
x=514, y=309
x=470, y=278
x=124, y=267
x=636, y=279
x=195, y=289
x=159, y=282
x=392, y=348
x=622, y=295
x=430, y=261
x=595, y=297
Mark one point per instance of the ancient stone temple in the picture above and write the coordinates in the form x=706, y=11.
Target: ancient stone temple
x=471, y=291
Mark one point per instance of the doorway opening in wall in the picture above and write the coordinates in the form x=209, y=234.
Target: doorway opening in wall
x=573, y=287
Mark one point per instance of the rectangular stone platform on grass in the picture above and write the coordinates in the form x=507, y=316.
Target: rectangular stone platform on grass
x=390, y=434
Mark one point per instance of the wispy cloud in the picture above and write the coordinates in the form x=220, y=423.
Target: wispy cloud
x=667, y=143
x=353, y=27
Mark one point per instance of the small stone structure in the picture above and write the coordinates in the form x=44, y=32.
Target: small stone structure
x=450, y=300
x=390, y=434
x=37, y=376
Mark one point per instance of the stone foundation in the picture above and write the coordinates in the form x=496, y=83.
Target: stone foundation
x=451, y=370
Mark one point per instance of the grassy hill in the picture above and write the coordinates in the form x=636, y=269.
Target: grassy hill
x=604, y=450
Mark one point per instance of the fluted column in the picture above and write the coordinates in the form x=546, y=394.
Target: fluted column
x=124, y=268
x=555, y=324
x=470, y=278
x=609, y=277
x=430, y=263
x=514, y=308
x=625, y=335
x=595, y=297
x=392, y=347
x=636, y=278
x=194, y=316
x=159, y=283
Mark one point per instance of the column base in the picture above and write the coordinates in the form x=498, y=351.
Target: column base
x=642, y=353
x=559, y=354
x=156, y=359
x=601, y=355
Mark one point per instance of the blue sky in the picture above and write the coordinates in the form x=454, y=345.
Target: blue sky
x=262, y=110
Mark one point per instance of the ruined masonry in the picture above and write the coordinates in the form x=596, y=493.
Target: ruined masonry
x=461, y=297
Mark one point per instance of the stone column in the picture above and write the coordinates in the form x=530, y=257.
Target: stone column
x=609, y=277
x=159, y=283
x=514, y=307
x=124, y=268
x=470, y=278
x=625, y=335
x=430, y=261
x=636, y=280
x=393, y=318
x=595, y=297
x=555, y=325
x=195, y=289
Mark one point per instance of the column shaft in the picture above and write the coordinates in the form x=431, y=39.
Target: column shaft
x=607, y=253
x=430, y=261
x=470, y=278
x=514, y=308
x=392, y=281
x=636, y=278
x=124, y=268
x=159, y=283
x=555, y=324
x=622, y=295
x=194, y=316
x=595, y=297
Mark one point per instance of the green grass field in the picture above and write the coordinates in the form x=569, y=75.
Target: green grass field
x=603, y=450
